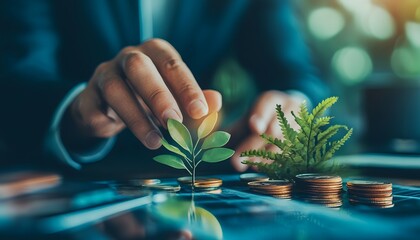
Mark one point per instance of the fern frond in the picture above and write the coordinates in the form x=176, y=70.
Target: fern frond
x=322, y=121
x=336, y=145
x=272, y=140
x=322, y=107
x=260, y=153
x=323, y=137
x=288, y=132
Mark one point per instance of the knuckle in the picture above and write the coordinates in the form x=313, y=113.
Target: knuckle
x=102, y=67
x=96, y=122
x=156, y=95
x=127, y=50
x=110, y=86
x=136, y=124
x=189, y=91
x=157, y=43
x=172, y=63
x=133, y=61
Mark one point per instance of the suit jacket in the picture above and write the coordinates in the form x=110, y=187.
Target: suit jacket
x=47, y=47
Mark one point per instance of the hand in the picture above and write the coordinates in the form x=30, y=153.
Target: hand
x=141, y=88
x=263, y=119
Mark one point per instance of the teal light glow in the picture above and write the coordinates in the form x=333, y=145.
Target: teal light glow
x=325, y=23
x=352, y=65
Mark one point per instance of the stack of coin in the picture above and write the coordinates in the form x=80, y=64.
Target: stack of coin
x=319, y=189
x=371, y=193
x=252, y=177
x=201, y=183
x=275, y=188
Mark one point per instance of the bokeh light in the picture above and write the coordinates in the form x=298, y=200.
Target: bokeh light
x=378, y=24
x=356, y=5
x=352, y=65
x=412, y=31
x=325, y=23
x=405, y=62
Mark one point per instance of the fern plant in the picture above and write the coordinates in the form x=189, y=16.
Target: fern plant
x=305, y=150
x=188, y=155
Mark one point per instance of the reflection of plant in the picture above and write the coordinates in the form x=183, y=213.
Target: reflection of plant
x=202, y=223
x=189, y=156
x=305, y=150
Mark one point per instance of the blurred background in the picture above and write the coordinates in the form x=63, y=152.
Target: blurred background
x=368, y=51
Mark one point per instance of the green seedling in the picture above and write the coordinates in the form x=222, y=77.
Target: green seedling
x=305, y=150
x=189, y=152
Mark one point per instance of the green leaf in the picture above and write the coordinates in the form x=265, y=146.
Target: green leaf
x=207, y=125
x=216, y=139
x=322, y=107
x=261, y=153
x=288, y=132
x=172, y=148
x=217, y=155
x=170, y=160
x=180, y=134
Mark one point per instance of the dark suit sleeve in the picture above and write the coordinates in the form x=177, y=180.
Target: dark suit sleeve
x=270, y=45
x=30, y=83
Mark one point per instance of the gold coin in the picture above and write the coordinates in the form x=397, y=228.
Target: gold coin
x=270, y=184
x=369, y=195
x=315, y=177
x=368, y=184
x=368, y=199
x=199, y=180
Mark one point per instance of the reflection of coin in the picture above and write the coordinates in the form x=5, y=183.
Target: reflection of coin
x=164, y=187
x=128, y=190
x=252, y=177
x=139, y=182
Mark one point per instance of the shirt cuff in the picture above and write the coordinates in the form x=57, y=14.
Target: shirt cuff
x=54, y=144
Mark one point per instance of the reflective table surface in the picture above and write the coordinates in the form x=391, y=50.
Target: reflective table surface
x=81, y=210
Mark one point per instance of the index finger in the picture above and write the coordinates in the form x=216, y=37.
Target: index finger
x=177, y=76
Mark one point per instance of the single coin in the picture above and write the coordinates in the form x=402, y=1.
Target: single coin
x=252, y=177
x=270, y=184
x=363, y=191
x=370, y=195
x=333, y=205
x=315, y=177
x=207, y=185
x=372, y=203
x=272, y=192
x=368, y=184
x=370, y=199
x=200, y=180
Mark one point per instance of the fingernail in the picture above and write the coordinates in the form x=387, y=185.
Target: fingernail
x=170, y=113
x=111, y=114
x=258, y=124
x=153, y=140
x=197, y=109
